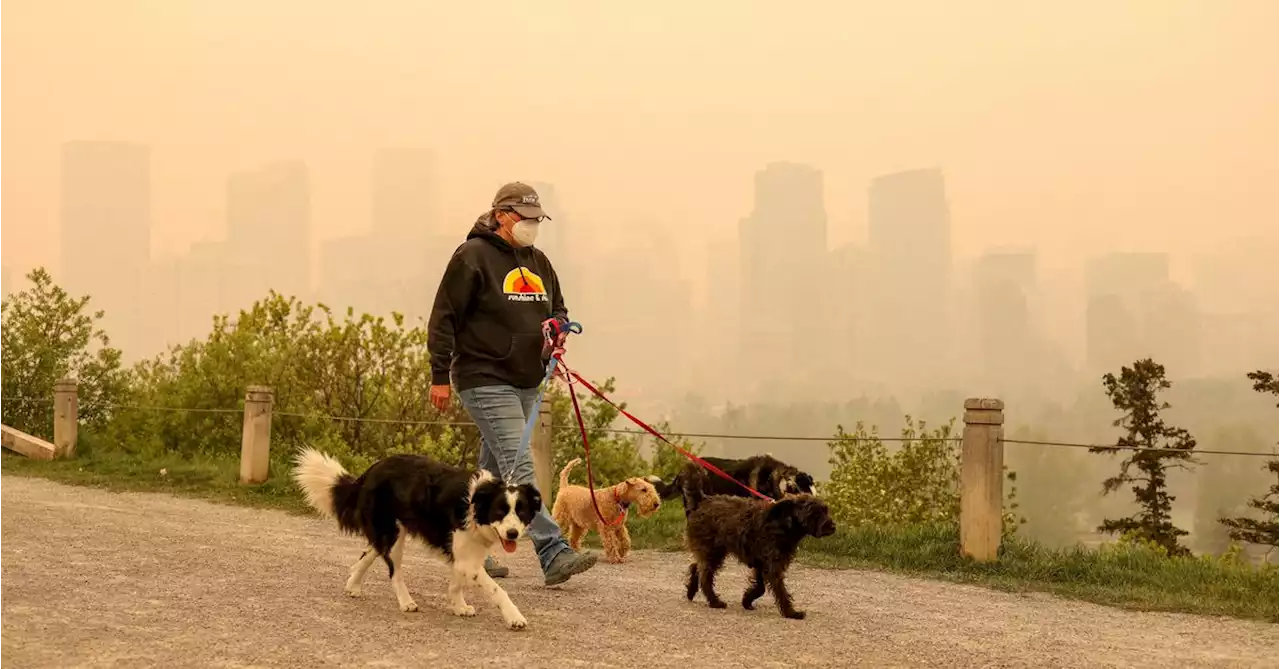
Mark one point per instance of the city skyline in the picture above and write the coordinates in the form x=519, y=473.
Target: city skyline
x=901, y=293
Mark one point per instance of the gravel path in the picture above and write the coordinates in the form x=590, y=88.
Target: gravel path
x=92, y=578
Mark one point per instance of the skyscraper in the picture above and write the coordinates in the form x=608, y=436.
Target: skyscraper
x=404, y=193
x=106, y=231
x=719, y=331
x=1136, y=311
x=910, y=253
x=397, y=265
x=1003, y=283
x=200, y=277
x=269, y=232
x=783, y=247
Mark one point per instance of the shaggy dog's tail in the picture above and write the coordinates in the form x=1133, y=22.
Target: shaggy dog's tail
x=564, y=473
x=329, y=488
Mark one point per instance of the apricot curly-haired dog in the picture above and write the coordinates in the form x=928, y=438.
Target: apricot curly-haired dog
x=761, y=534
x=576, y=516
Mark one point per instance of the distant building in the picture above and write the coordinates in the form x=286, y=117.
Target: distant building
x=718, y=329
x=1239, y=299
x=106, y=232
x=844, y=312
x=269, y=232
x=201, y=278
x=909, y=243
x=397, y=266
x=1004, y=282
x=1134, y=311
x=624, y=294
x=403, y=194
x=781, y=283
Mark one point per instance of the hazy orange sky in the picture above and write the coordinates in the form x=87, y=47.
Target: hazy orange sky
x=1076, y=126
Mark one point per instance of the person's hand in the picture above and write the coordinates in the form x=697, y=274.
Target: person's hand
x=441, y=396
x=554, y=333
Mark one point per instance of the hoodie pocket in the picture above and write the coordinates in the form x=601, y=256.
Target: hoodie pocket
x=525, y=359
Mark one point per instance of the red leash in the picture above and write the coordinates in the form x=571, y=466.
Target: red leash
x=586, y=447
x=571, y=375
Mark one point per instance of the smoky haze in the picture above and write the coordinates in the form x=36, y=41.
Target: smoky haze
x=845, y=212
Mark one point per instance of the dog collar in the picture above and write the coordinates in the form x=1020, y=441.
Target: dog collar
x=622, y=503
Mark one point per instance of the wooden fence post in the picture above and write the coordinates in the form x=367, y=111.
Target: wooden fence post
x=982, y=479
x=540, y=450
x=255, y=441
x=66, y=417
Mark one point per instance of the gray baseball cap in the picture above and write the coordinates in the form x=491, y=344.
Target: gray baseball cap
x=520, y=198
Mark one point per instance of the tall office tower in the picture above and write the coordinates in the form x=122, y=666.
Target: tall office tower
x=106, y=232
x=269, y=233
x=396, y=266
x=844, y=313
x=908, y=338
x=1134, y=311
x=404, y=193
x=783, y=255
x=1004, y=282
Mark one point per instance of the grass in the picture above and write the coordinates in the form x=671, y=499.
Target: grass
x=1130, y=577
x=211, y=479
x=1125, y=576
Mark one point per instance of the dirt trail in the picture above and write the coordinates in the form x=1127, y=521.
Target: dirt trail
x=92, y=578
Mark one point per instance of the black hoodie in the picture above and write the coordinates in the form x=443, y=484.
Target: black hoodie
x=486, y=323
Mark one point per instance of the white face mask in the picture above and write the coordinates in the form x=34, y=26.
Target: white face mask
x=525, y=232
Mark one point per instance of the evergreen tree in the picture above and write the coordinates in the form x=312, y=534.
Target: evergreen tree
x=1153, y=448
x=1252, y=530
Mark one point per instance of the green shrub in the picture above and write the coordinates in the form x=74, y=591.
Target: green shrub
x=46, y=334
x=916, y=482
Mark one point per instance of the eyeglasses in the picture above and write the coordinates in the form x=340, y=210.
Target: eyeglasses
x=521, y=217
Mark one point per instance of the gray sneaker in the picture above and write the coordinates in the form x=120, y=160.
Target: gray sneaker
x=493, y=569
x=568, y=563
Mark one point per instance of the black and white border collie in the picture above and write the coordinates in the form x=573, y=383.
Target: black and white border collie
x=459, y=513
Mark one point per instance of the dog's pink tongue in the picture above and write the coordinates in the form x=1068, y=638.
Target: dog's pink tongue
x=508, y=546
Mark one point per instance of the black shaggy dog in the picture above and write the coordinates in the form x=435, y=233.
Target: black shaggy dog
x=762, y=535
x=764, y=473
x=459, y=513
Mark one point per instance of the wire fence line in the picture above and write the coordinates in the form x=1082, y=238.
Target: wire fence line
x=681, y=435
x=1114, y=447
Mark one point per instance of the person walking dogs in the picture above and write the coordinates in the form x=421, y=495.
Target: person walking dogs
x=485, y=334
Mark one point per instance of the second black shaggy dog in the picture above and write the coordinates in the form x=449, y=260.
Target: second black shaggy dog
x=764, y=473
x=459, y=513
x=762, y=535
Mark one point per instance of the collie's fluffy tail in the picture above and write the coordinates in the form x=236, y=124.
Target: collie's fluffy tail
x=564, y=473
x=329, y=488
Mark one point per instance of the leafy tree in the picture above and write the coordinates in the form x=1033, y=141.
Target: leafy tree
x=1253, y=530
x=1153, y=447
x=47, y=334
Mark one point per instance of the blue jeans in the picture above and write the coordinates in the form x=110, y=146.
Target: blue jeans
x=501, y=413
